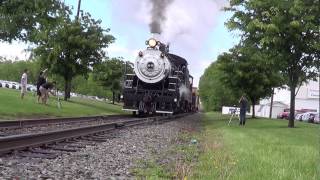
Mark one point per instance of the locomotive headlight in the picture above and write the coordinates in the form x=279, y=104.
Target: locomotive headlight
x=175, y=99
x=152, y=42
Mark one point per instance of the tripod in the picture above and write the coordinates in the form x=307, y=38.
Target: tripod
x=58, y=99
x=233, y=113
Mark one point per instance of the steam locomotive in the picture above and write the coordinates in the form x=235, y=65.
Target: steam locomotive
x=161, y=83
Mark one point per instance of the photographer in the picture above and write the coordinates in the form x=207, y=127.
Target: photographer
x=45, y=89
x=243, y=109
x=41, y=80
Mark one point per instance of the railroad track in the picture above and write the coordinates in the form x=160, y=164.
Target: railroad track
x=8, y=128
x=46, y=121
x=16, y=143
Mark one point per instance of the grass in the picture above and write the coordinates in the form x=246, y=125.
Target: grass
x=12, y=107
x=150, y=169
x=263, y=149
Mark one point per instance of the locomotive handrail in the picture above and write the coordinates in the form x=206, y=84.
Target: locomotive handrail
x=174, y=77
x=178, y=72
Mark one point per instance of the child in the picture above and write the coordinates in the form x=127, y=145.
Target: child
x=24, y=80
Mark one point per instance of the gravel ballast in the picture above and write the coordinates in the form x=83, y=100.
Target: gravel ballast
x=112, y=159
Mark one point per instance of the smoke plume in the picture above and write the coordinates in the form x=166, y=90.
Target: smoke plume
x=188, y=25
x=158, y=14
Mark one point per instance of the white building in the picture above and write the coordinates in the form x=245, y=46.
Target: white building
x=307, y=98
x=263, y=110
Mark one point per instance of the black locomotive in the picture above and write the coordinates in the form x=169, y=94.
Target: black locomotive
x=161, y=83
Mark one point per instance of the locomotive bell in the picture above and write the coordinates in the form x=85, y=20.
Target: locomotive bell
x=152, y=67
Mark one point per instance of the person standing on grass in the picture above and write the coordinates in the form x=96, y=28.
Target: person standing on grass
x=243, y=109
x=24, y=80
x=45, y=89
x=41, y=80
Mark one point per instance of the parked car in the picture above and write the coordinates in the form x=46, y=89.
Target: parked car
x=3, y=84
x=18, y=86
x=316, y=118
x=308, y=116
x=8, y=85
x=99, y=99
x=299, y=117
x=284, y=114
x=31, y=87
x=14, y=86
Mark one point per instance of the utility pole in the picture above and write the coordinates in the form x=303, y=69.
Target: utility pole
x=78, y=11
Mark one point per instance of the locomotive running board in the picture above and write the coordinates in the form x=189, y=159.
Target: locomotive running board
x=136, y=110
x=130, y=110
x=168, y=112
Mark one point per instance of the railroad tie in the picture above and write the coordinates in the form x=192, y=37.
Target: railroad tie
x=61, y=148
x=97, y=139
x=38, y=155
x=79, y=146
x=119, y=125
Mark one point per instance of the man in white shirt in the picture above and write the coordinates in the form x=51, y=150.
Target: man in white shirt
x=24, y=80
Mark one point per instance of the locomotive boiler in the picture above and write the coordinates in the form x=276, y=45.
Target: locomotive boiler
x=161, y=82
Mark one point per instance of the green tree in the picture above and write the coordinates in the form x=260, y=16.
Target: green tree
x=110, y=74
x=24, y=20
x=88, y=86
x=213, y=93
x=12, y=70
x=248, y=70
x=73, y=47
x=289, y=30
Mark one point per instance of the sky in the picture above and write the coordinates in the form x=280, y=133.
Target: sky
x=195, y=29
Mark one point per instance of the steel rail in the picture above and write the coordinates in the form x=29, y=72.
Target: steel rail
x=20, y=142
x=45, y=121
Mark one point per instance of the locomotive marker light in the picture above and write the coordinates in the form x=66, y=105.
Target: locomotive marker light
x=140, y=54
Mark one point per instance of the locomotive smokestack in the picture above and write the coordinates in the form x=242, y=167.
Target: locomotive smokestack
x=156, y=36
x=158, y=14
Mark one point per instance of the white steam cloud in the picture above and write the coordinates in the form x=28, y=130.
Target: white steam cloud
x=185, y=24
x=184, y=91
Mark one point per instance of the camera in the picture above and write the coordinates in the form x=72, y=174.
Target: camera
x=233, y=110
